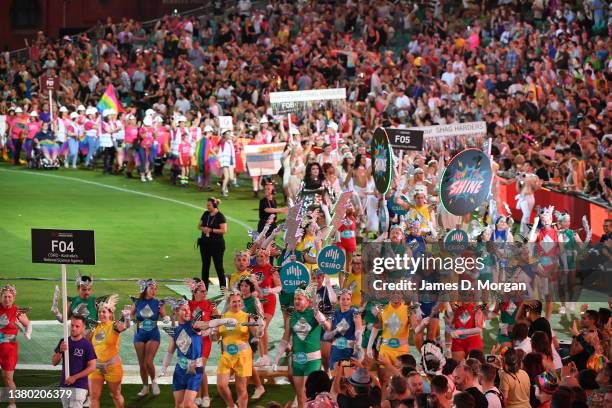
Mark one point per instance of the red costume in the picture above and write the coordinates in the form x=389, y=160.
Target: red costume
x=8, y=338
x=265, y=280
x=206, y=308
x=465, y=318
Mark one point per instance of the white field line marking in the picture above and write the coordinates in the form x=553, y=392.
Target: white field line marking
x=125, y=190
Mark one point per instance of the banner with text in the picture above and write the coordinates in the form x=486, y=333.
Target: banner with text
x=264, y=159
x=296, y=101
x=453, y=136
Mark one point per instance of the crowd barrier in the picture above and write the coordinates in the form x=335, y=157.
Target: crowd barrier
x=577, y=205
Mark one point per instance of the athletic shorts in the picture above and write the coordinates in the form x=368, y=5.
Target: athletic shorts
x=206, y=346
x=8, y=356
x=338, y=354
x=183, y=381
x=467, y=345
x=143, y=336
x=304, y=369
x=349, y=245
x=186, y=161
x=286, y=300
x=269, y=306
x=393, y=354
x=113, y=373
x=241, y=364
x=77, y=399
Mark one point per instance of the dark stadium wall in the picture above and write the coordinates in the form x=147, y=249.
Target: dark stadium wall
x=22, y=19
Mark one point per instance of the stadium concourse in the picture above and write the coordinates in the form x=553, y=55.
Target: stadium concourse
x=458, y=152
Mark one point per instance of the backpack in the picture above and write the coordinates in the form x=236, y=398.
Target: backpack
x=498, y=394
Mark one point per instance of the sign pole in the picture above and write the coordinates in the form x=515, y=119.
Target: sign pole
x=51, y=108
x=65, y=319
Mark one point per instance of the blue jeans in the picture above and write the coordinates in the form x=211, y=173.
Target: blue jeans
x=73, y=150
x=92, y=148
x=146, y=155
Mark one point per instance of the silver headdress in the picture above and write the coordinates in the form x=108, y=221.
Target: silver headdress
x=8, y=288
x=194, y=285
x=107, y=302
x=83, y=282
x=144, y=283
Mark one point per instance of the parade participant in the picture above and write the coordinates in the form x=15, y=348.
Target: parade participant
x=61, y=132
x=200, y=306
x=237, y=356
x=242, y=261
x=267, y=206
x=507, y=310
x=571, y=243
x=146, y=155
x=45, y=140
x=547, y=247
x=464, y=324
x=347, y=238
x=106, y=342
x=308, y=248
x=91, y=127
x=11, y=317
x=304, y=332
x=131, y=136
x=17, y=130
x=179, y=134
x=353, y=280
x=226, y=154
x=82, y=362
x=527, y=183
x=393, y=323
x=269, y=285
x=84, y=305
x=326, y=299
x=147, y=310
x=428, y=309
x=420, y=210
x=73, y=133
x=346, y=332
x=34, y=126
x=108, y=132
x=252, y=305
x=184, y=159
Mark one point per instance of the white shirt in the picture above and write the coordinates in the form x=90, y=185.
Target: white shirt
x=524, y=345
x=226, y=154
x=492, y=398
x=449, y=78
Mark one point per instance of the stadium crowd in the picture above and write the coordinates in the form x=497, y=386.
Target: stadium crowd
x=536, y=72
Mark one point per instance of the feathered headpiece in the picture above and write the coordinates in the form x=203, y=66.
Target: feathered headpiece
x=83, y=282
x=174, y=303
x=107, y=302
x=8, y=288
x=143, y=284
x=547, y=211
x=431, y=354
x=309, y=291
x=399, y=227
x=562, y=216
x=194, y=285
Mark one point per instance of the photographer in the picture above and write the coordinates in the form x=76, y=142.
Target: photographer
x=354, y=386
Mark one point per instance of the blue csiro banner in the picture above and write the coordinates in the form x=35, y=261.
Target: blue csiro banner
x=456, y=241
x=395, y=207
x=466, y=182
x=292, y=275
x=331, y=260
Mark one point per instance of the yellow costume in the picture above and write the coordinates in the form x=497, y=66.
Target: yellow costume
x=307, y=246
x=395, y=331
x=421, y=214
x=105, y=341
x=353, y=283
x=236, y=276
x=237, y=356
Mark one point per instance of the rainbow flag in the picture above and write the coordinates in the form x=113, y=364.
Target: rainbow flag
x=109, y=101
x=206, y=157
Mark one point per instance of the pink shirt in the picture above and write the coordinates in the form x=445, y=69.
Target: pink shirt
x=33, y=128
x=185, y=149
x=131, y=133
x=146, y=133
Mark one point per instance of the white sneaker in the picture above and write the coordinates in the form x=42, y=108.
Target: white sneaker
x=259, y=391
x=149, y=177
x=155, y=388
x=66, y=164
x=562, y=310
x=206, y=402
x=198, y=402
x=74, y=166
x=142, y=178
x=144, y=391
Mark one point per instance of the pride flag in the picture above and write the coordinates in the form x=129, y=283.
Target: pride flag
x=206, y=157
x=109, y=101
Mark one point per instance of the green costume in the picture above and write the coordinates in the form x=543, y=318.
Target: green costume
x=305, y=341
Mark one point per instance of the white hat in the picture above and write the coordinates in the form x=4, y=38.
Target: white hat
x=333, y=125
x=130, y=117
x=181, y=119
x=108, y=112
x=90, y=111
x=147, y=121
x=33, y=113
x=264, y=119
x=208, y=128
x=63, y=109
x=159, y=119
x=149, y=112
x=80, y=108
x=18, y=110
x=74, y=115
